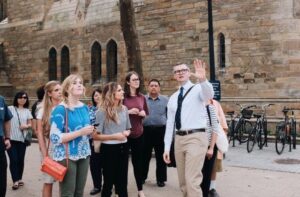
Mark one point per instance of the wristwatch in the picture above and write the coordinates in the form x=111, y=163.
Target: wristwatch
x=7, y=138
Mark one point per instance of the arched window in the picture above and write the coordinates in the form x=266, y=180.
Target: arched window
x=2, y=62
x=112, y=60
x=96, y=63
x=52, y=64
x=3, y=9
x=222, y=54
x=65, y=63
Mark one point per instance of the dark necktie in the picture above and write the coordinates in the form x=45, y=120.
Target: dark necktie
x=178, y=111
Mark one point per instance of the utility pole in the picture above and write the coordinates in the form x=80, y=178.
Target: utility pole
x=215, y=83
x=211, y=41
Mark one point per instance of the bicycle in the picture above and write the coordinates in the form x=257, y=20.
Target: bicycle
x=286, y=131
x=239, y=129
x=259, y=132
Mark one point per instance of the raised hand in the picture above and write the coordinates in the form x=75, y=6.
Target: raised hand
x=200, y=72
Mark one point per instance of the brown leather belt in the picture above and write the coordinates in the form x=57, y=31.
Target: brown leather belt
x=186, y=132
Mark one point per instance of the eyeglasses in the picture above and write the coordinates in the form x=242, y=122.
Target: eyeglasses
x=22, y=97
x=136, y=79
x=181, y=71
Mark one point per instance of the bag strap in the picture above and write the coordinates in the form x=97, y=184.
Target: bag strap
x=66, y=144
x=182, y=101
x=187, y=92
x=208, y=113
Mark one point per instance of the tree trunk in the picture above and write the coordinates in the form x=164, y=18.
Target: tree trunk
x=128, y=27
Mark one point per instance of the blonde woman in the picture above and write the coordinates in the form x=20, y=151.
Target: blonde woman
x=76, y=138
x=52, y=98
x=113, y=129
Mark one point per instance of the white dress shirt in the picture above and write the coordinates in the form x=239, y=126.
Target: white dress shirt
x=193, y=112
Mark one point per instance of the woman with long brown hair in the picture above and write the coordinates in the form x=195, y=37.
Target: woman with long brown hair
x=52, y=98
x=137, y=109
x=113, y=128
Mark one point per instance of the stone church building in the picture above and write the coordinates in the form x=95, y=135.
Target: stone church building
x=256, y=43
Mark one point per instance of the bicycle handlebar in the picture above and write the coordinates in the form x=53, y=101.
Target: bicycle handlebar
x=289, y=109
x=246, y=107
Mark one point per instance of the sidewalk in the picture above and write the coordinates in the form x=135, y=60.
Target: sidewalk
x=245, y=175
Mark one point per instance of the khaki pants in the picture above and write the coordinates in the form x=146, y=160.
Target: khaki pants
x=190, y=151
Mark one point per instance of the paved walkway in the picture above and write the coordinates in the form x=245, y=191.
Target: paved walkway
x=245, y=175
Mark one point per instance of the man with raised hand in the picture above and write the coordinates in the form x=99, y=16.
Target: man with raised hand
x=186, y=112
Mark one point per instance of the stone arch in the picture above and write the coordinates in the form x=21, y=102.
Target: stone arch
x=112, y=60
x=52, y=64
x=96, y=62
x=65, y=62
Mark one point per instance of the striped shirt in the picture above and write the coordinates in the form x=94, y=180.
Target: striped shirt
x=24, y=114
x=215, y=125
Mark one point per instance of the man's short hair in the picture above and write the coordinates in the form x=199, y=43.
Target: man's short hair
x=183, y=65
x=155, y=80
x=40, y=92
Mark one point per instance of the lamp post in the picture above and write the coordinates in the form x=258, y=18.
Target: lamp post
x=211, y=41
x=215, y=83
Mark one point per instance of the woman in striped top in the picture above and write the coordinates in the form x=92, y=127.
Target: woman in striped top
x=20, y=123
x=212, y=133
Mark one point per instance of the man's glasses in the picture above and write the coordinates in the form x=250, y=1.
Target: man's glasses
x=181, y=71
x=22, y=97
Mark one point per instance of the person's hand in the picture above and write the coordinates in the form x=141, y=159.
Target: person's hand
x=95, y=135
x=7, y=144
x=200, y=72
x=134, y=111
x=209, y=153
x=142, y=113
x=126, y=133
x=167, y=157
x=87, y=130
x=120, y=136
x=23, y=126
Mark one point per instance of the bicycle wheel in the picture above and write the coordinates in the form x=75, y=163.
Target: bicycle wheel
x=261, y=136
x=230, y=132
x=243, y=131
x=251, y=140
x=280, y=139
x=293, y=133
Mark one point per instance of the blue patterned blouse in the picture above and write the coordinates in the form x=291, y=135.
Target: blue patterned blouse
x=92, y=113
x=78, y=118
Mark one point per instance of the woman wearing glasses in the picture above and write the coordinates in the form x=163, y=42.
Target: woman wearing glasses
x=137, y=109
x=20, y=123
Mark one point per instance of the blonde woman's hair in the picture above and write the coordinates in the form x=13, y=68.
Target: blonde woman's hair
x=66, y=85
x=47, y=105
x=107, y=103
